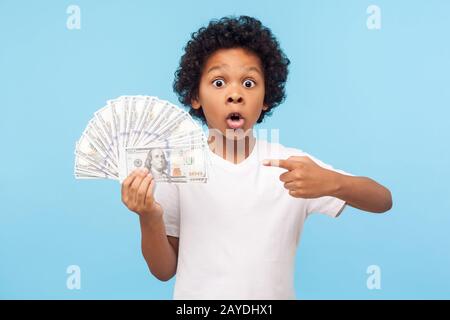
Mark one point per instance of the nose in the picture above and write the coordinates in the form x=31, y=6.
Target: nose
x=235, y=98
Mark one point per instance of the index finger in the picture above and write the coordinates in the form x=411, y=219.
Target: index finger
x=281, y=163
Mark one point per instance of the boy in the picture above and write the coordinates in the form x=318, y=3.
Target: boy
x=235, y=236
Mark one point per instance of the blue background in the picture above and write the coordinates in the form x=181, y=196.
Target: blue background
x=371, y=102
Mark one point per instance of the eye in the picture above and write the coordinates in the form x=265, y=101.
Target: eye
x=218, y=83
x=249, y=83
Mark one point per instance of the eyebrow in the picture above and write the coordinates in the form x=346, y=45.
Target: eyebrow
x=225, y=66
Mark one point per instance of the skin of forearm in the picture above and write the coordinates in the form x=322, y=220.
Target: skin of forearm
x=363, y=193
x=156, y=249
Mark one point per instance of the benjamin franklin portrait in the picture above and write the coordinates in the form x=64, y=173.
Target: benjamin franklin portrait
x=156, y=163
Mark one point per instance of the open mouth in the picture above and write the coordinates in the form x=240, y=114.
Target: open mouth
x=235, y=120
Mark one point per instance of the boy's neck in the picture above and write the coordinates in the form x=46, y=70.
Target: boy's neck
x=233, y=150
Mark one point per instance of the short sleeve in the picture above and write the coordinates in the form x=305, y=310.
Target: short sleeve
x=167, y=195
x=328, y=205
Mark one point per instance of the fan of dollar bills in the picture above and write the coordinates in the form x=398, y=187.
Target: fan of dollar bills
x=133, y=132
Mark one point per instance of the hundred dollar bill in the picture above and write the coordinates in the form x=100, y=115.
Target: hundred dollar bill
x=105, y=120
x=137, y=109
x=176, y=165
x=90, y=153
x=138, y=122
x=148, y=117
x=85, y=169
x=94, y=138
x=179, y=126
x=98, y=134
x=164, y=113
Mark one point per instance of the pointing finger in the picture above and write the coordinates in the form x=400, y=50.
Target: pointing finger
x=281, y=163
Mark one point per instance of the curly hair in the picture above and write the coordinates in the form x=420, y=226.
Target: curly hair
x=232, y=32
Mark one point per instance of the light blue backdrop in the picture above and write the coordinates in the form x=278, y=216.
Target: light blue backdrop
x=371, y=102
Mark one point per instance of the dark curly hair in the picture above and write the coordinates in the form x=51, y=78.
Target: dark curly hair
x=232, y=32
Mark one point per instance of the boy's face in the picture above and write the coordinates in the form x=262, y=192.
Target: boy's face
x=231, y=90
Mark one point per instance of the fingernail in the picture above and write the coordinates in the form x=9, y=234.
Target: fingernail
x=144, y=170
x=266, y=162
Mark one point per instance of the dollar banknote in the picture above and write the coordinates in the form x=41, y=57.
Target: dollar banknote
x=175, y=164
x=131, y=132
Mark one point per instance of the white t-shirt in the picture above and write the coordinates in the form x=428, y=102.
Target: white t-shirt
x=238, y=233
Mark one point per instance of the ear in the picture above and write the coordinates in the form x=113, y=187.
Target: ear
x=265, y=107
x=195, y=103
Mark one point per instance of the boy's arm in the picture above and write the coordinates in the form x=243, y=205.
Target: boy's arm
x=174, y=243
x=306, y=179
x=160, y=252
x=362, y=193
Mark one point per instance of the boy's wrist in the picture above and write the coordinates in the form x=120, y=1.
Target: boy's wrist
x=338, y=184
x=151, y=219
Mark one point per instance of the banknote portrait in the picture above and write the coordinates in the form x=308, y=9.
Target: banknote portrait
x=156, y=163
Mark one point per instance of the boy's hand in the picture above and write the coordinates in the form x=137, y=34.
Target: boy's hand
x=137, y=194
x=305, y=178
